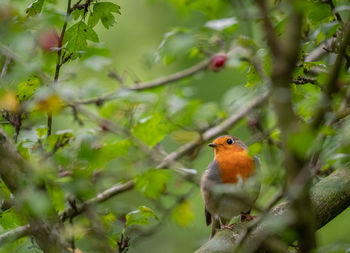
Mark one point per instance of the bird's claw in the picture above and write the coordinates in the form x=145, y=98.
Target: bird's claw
x=245, y=217
x=230, y=227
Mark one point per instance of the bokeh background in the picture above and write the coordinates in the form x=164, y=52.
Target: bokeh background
x=140, y=47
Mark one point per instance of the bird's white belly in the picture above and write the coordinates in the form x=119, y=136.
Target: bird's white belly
x=229, y=200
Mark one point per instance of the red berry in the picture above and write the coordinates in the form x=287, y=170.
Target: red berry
x=218, y=61
x=48, y=40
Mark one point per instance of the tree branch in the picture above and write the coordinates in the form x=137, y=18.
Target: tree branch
x=71, y=212
x=172, y=78
x=331, y=84
x=14, y=234
x=214, y=131
x=321, y=50
x=329, y=198
x=271, y=36
x=59, y=61
x=16, y=174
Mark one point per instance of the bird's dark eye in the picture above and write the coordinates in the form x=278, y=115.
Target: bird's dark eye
x=229, y=141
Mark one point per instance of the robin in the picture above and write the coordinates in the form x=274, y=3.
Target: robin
x=229, y=187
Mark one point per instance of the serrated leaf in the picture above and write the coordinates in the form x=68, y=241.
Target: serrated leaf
x=27, y=88
x=151, y=129
x=77, y=13
x=35, y=8
x=152, y=183
x=140, y=216
x=76, y=37
x=104, y=11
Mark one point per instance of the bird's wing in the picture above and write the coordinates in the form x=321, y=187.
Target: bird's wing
x=257, y=162
x=207, y=216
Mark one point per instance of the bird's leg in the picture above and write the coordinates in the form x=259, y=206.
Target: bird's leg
x=245, y=216
x=223, y=226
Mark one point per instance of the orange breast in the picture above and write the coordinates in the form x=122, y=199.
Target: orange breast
x=234, y=165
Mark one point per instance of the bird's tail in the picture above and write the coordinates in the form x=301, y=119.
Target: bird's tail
x=214, y=227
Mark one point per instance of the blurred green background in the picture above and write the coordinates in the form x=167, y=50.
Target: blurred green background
x=132, y=48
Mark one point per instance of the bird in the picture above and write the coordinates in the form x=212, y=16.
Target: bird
x=229, y=186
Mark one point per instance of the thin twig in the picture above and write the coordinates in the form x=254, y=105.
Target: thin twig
x=59, y=62
x=6, y=65
x=271, y=36
x=321, y=50
x=6, y=51
x=171, y=78
x=14, y=234
x=143, y=85
x=214, y=131
x=331, y=84
x=71, y=212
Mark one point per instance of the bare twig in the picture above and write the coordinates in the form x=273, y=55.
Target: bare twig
x=143, y=85
x=321, y=50
x=6, y=51
x=6, y=65
x=14, y=234
x=59, y=62
x=271, y=36
x=172, y=78
x=331, y=84
x=214, y=131
x=71, y=212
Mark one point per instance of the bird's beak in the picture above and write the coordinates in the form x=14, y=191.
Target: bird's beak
x=212, y=145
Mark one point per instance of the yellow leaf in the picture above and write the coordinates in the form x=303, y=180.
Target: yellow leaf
x=51, y=104
x=9, y=102
x=183, y=214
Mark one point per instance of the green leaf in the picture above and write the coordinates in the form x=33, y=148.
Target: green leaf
x=255, y=148
x=77, y=36
x=35, y=8
x=27, y=88
x=140, y=216
x=151, y=129
x=302, y=141
x=77, y=13
x=57, y=197
x=41, y=131
x=9, y=219
x=60, y=139
x=104, y=11
x=152, y=183
x=306, y=97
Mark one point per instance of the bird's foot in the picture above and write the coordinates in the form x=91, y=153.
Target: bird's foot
x=245, y=217
x=230, y=227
